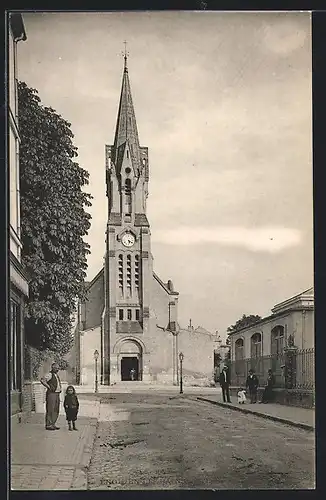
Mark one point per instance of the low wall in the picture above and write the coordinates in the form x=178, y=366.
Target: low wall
x=300, y=398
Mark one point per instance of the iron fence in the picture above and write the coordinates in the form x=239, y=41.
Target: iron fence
x=300, y=376
x=305, y=369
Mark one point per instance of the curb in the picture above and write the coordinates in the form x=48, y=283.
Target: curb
x=88, y=447
x=300, y=425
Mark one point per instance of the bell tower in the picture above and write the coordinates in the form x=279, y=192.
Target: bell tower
x=128, y=261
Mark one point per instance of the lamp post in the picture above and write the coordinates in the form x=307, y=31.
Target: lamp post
x=96, y=355
x=181, y=356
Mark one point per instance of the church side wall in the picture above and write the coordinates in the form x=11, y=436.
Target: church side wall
x=91, y=310
x=160, y=303
x=161, y=357
x=90, y=340
x=198, y=350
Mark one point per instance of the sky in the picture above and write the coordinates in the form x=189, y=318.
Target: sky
x=223, y=102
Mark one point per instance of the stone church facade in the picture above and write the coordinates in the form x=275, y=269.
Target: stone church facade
x=131, y=315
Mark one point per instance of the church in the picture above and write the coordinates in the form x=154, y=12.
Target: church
x=130, y=316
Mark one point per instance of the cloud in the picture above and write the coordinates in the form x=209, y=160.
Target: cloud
x=263, y=239
x=285, y=37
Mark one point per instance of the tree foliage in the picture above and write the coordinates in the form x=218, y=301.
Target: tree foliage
x=244, y=322
x=53, y=222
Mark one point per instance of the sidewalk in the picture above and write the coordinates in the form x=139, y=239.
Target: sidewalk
x=303, y=418
x=43, y=460
x=134, y=387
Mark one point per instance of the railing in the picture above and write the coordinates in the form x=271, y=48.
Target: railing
x=305, y=369
x=300, y=375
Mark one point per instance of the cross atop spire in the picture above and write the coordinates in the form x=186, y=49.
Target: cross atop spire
x=125, y=55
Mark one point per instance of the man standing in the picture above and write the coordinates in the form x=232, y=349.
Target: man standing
x=53, y=385
x=225, y=384
x=252, y=384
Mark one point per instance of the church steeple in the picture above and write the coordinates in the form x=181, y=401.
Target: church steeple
x=126, y=133
x=127, y=170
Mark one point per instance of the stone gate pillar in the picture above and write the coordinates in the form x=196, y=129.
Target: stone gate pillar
x=290, y=352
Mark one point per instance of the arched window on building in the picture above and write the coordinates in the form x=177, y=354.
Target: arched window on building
x=277, y=340
x=129, y=275
x=239, y=349
x=120, y=274
x=128, y=196
x=277, y=358
x=239, y=360
x=137, y=271
x=256, y=350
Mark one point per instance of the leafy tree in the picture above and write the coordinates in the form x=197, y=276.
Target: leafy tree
x=243, y=322
x=53, y=222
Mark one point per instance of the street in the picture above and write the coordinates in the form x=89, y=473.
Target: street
x=159, y=441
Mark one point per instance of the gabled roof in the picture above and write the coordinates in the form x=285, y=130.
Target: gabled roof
x=303, y=299
x=88, y=284
x=164, y=285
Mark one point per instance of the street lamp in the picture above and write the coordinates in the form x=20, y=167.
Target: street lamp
x=181, y=356
x=96, y=355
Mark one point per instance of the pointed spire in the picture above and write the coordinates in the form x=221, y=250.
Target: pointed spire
x=126, y=127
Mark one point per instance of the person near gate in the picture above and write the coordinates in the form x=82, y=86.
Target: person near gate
x=53, y=385
x=216, y=375
x=225, y=384
x=252, y=383
x=268, y=391
x=133, y=374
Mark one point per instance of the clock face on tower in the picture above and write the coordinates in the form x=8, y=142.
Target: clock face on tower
x=128, y=239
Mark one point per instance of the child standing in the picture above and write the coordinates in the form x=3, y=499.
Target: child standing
x=71, y=406
x=242, y=396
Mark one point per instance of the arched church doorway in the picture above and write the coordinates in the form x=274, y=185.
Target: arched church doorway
x=130, y=360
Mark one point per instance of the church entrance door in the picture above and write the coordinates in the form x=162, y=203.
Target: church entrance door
x=130, y=360
x=129, y=368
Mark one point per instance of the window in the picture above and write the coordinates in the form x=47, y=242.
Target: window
x=128, y=196
x=137, y=314
x=256, y=345
x=129, y=314
x=239, y=357
x=15, y=345
x=120, y=273
x=239, y=349
x=129, y=274
x=120, y=314
x=277, y=340
x=127, y=154
x=136, y=271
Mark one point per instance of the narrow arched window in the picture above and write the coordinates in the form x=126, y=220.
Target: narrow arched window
x=129, y=274
x=277, y=340
x=136, y=271
x=128, y=196
x=239, y=349
x=256, y=345
x=120, y=273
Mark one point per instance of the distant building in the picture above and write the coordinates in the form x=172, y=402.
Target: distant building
x=263, y=345
x=18, y=277
x=131, y=315
x=221, y=351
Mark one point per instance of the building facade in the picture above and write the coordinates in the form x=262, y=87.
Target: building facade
x=131, y=315
x=266, y=344
x=18, y=277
